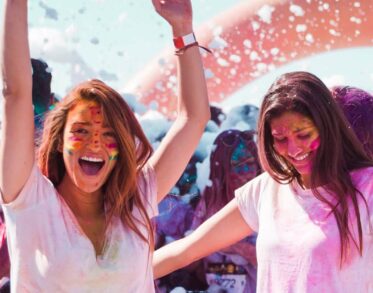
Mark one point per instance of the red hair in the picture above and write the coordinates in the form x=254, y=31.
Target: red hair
x=120, y=190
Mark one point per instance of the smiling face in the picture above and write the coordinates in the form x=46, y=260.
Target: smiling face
x=90, y=150
x=296, y=139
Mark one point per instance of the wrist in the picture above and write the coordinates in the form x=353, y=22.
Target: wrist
x=184, y=41
x=182, y=30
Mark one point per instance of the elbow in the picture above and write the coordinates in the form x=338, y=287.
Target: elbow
x=14, y=89
x=203, y=118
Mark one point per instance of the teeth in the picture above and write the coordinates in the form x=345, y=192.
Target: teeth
x=300, y=158
x=92, y=159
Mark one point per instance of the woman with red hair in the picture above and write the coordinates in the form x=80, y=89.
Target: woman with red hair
x=78, y=220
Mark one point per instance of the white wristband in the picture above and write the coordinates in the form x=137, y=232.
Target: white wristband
x=183, y=41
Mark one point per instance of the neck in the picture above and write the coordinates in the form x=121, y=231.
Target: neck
x=83, y=204
x=305, y=181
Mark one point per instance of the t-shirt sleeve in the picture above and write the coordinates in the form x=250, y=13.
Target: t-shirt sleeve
x=247, y=198
x=148, y=190
x=32, y=192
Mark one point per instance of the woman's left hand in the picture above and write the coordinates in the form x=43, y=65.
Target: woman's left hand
x=178, y=13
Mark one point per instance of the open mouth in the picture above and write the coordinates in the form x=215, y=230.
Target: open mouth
x=91, y=166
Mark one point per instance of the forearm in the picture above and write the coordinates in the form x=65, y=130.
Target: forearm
x=193, y=97
x=15, y=60
x=169, y=258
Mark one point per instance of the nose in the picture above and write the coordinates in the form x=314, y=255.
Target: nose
x=95, y=143
x=294, y=148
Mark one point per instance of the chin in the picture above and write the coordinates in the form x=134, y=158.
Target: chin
x=89, y=187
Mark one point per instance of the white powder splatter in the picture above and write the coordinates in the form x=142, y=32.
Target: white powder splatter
x=333, y=32
x=255, y=25
x=296, y=10
x=309, y=38
x=209, y=73
x=265, y=13
x=222, y=62
x=262, y=67
x=301, y=28
x=254, y=56
x=247, y=43
x=275, y=51
x=355, y=20
x=235, y=58
x=217, y=43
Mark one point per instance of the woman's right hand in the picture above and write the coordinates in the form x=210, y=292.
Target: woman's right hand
x=178, y=13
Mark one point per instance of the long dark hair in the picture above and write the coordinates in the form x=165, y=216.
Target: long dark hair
x=339, y=152
x=121, y=189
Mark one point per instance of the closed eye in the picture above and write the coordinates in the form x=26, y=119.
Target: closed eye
x=304, y=136
x=279, y=139
x=80, y=131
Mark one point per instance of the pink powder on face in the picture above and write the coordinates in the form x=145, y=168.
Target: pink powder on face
x=315, y=144
x=112, y=145
x=113, y=150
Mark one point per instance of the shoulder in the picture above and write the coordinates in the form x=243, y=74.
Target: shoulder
x=253, y=191
x=36, y=189
x=258, y=183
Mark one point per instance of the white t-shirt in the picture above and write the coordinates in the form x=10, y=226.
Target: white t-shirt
x=49, y=253
x=298, y=247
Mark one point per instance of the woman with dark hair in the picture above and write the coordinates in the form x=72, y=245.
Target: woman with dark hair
x=312, y=208
x=233, y=161
x=357, y=106
x=78, y=219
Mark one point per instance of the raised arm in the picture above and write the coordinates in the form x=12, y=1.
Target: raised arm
x=173, y=154
x=17, y=133
x=221, y=230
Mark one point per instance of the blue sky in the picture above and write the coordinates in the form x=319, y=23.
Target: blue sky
x=114, y=39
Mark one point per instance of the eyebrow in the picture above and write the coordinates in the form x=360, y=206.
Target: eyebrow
x=82, y=123
x=273, y=132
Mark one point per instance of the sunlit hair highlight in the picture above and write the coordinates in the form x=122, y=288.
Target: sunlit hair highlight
x=120, y=190
x=339, y=152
